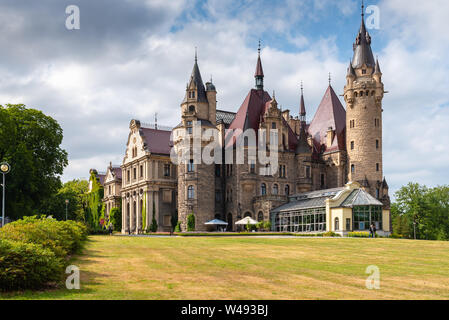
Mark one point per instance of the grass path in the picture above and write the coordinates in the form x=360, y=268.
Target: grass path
x=255, y=268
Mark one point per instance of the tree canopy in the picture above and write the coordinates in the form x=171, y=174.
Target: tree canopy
x=428, y=208
x=30, y=142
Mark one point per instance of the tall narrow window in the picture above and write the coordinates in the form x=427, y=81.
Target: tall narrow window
x=352, y=145
x=166, y=170
x=263, y=189
x=377, y=167
x=190, y=166
x=275, y=189
x=352, y=168
x=377, y=144
x=134, y=173
x=190, y=192
x=287, y=190
x=141, y=171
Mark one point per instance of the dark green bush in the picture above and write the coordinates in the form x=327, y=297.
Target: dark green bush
x=27, y=266
x=116, y=218
x=191, y=222
x=61, y=237
x=178, y=227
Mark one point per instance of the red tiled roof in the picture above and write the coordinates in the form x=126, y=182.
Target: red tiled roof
x=330, y=113
x=249, y=116
x=157, y=141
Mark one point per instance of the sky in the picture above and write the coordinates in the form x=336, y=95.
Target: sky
x=133, y=58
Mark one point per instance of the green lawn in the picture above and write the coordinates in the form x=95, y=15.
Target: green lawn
x=255, y=268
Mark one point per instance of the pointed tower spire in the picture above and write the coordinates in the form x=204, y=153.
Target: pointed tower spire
x=363, y=54
x=195, y=90
x=259, y=72
x=377, y=68
x=302, y=111
x=351, y=71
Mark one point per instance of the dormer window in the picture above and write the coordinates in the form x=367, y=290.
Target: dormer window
x=363, y=71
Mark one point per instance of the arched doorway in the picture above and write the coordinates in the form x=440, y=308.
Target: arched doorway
x=260, y=216
x=247, y=214
x=229, y=221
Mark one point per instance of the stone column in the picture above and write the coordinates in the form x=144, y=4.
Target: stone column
x=138, y=214
x=123, y=216
x=156, y=203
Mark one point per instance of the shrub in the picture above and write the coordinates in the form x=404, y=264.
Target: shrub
x=116, y=218
x=191, y=222
x=178, y=227
x=360, y=234
x=153, y=226
x=330, y=234
x=61, y=237
x=27, y=266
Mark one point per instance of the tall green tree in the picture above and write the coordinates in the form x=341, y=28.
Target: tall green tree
x=76, y=192
x=30, y=142
x=422, y=210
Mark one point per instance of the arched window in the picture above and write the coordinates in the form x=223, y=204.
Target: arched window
x=275, y=189
x=356, y=94
x=263, y=189
x=352, y=168
x=190, y=192
x=191, y=108
x=287, y=190
x=260, y=216
x=247, y=214
x=337, y=224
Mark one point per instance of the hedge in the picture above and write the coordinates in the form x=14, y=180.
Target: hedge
x=34, y=251
x=61, y=237
x=27, y=266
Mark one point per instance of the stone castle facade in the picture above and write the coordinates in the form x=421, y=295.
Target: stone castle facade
x=337, y=147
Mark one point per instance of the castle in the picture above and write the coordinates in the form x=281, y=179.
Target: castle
x=329, y=170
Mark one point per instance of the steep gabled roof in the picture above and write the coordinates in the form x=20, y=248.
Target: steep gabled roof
x=157, y=141
x=330, y=113
x=248, y=115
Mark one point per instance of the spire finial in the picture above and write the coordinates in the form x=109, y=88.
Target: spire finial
x=258, y=50
x=302, y=88
x=363, y=9
x=196, y=54
x=155, y=120
x=330, y=79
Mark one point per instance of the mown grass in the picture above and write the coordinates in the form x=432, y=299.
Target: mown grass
x=255, y=268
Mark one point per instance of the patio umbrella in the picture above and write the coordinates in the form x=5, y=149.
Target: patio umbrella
x=247, y=220
x=217, y=222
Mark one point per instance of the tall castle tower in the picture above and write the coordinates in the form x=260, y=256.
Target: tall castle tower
x=195, y=194
x=363, y=94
